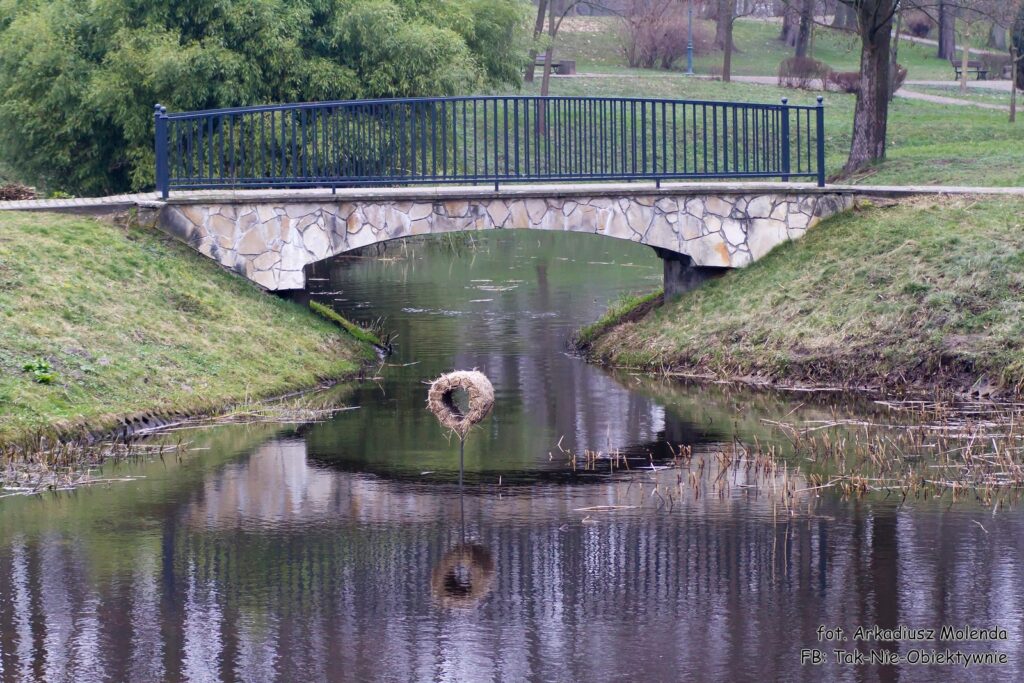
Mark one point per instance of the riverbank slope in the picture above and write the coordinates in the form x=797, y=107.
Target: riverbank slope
x=926, y=294
x=101, y=321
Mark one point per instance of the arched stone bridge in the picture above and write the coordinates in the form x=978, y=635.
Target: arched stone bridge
x=699, y=230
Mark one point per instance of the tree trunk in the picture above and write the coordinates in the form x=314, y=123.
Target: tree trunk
x=790, y=25
x=803, y=33
x=871, y=112
x=997, y=37
x=723, y=21
x=894, y=65
x=1014, y=66
x=545, y=82
x=845, y=18
x=965, y=57
x=947, y=31
x=729, y=7
x=538, y=29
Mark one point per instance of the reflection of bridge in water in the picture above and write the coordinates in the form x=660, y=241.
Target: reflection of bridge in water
x=274, y=568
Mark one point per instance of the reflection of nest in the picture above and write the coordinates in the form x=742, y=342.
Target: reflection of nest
x=463, y=577
x=441, y=401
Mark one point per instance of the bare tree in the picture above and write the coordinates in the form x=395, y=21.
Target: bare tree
x=875, y=19
x=728, y=12
x=538, y=31
x=871, y=111
x=844, y=17
x=947, y=30
x=805, y=26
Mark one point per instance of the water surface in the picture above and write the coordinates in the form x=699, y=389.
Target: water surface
x=344, y=550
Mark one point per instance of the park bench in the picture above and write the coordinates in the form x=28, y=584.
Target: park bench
x=979, y=69
x=562, y=67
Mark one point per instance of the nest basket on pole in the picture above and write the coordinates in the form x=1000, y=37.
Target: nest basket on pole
x=441, y=402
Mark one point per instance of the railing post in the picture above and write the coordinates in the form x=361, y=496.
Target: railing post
x=162, y=172
x=786, y=159
x=821, y=141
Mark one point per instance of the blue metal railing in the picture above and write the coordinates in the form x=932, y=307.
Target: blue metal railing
x=486, y=140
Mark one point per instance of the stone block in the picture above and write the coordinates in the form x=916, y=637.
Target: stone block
x=760, y=206
x=316, y=242
x=291, y=279
x=661, y=234
x=252, y=243
x=498, y=212
x=691, y=227
x=709, y=250
x=420, y=210
x=735, y=231
x=717, y=206
x=266, y=260
x=535, y=210
x=265, y=278
x=638, y=217
x=764, y=234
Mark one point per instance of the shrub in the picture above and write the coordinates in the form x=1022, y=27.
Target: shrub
x=802, y=72
x=79, y=83
x=844, y=81
x=14, y=191
x=849, y=81
x=997, y=65
x=653, y=34
x=918, y=23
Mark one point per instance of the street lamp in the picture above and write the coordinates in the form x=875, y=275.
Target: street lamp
x=689, y=40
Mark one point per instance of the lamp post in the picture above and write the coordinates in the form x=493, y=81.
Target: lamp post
x=689, y=40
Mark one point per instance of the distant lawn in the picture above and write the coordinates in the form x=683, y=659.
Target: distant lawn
x=930, y=144
x=595, y=44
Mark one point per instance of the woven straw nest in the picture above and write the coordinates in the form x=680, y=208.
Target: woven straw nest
x=441, y=402
x=463, y=577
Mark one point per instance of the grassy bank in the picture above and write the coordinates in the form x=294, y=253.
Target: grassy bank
x=926, y=293
x=100, y=322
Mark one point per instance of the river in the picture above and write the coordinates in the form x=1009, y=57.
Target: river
x=344, y=549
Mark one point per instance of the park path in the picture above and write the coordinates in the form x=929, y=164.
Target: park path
x=903, y=92
x=939, y=99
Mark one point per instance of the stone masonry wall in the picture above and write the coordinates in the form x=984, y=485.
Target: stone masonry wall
x=270, y=243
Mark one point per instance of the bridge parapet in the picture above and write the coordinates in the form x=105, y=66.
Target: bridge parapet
x=271, y=238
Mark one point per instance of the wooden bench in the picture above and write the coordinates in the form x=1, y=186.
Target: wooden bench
x=979, y=69
x=562, y=67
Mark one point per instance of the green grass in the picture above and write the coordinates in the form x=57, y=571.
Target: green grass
x=595, y=44
x=928, y=292
x=357, y=332
x=132, y=321
x=627, y=307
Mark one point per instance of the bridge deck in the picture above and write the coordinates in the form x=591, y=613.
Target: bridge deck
x=121, y=202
